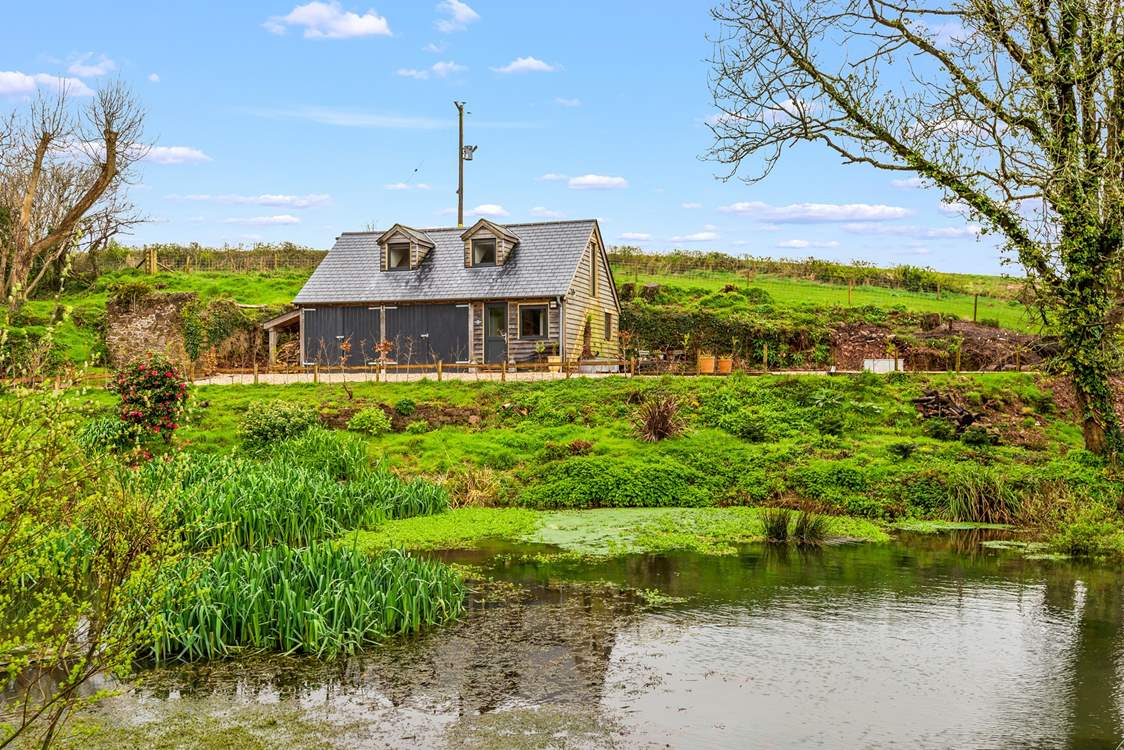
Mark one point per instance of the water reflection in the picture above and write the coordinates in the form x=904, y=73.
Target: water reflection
x=930, y=642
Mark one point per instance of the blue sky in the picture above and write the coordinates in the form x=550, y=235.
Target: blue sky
x=280, y=120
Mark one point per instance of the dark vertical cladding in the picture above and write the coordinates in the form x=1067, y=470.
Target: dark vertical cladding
x=428, y=333
x=335, y=335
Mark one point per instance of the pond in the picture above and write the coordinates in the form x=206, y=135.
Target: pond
x=930, y=641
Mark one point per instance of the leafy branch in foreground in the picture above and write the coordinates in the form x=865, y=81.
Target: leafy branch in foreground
x=1015, y=110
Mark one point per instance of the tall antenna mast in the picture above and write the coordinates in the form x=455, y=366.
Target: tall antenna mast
x=464, y=153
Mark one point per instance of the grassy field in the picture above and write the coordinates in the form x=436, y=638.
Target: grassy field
x=788, y=293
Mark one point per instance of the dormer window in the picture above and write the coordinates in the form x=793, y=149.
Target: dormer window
x=398, y=256
x=484, y=252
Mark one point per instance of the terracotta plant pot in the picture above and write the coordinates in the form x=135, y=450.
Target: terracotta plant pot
x=706, y=364
x=725, y=365
x=554, y=363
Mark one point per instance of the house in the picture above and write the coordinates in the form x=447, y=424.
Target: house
x=487, y=294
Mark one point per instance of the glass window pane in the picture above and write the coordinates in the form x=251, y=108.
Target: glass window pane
x=483, y=252
x=495, y=324
x=532, y=322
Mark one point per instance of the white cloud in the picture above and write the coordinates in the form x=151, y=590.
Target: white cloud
x=175, y=155
x=458, y=16
x=489, y=209
x=14, y=83
x=527, y=65
x=800, y=213
x=690, y=204
x=954, y=208
x=435, y=49
x=596, y=182
x=329, y=21
x=911, y=230
x=707, y=236
x=265, y=221
x=276, y=200
x=406, y=186
x=801, y=244
x=438, y=70
x=911, y=183
x=155, y=78
x=552, y=177
x=635, y=236
x=563, y=101
x=546, y=213
x=86, y=67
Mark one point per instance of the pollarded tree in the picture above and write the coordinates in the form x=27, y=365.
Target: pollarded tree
x=62, y=174
x=1014, y=108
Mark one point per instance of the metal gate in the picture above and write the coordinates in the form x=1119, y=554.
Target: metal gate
x=338, y=335
x=427, y=333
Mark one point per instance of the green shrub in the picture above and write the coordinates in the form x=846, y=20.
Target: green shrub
x=903, y=450
x=749, y=423
x=267, y=422
x=153, y=396
x=417, y=427
x=605, y=482
x=406, y=407
x=322, y=600
x=372, y=421
x=978, y=436
x=938, y=429
x=831, y=423
x=1097, y=531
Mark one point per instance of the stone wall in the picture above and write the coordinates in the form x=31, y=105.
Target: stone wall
x=151, y=324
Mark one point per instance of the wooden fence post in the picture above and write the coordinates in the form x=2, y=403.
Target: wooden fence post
x=566, y=367
x=438, y=371
x=255, y=372
x=957, y=361
x=765, y=358
x=316, y=373
x=503, y=372
x=850, y=286
x=975, y=307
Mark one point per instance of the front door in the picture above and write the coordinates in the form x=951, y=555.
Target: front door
x=495, y=332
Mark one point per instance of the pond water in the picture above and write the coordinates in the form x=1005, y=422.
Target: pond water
x=927, y=642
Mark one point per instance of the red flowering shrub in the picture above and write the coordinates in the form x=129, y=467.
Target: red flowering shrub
x=153, y=396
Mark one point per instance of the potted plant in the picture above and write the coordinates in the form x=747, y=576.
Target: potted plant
x=706, y=363
x=553, y=359
x=726, y=363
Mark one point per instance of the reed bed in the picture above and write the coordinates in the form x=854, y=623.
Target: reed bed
x=323, y=600
x=775, y=522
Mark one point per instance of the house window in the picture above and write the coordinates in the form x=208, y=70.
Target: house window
x=532, y=322
x=398, y=256
x=608, y=326
x=483, y=252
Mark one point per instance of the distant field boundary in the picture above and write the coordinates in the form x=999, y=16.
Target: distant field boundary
x=196, y=258
x=902, y=277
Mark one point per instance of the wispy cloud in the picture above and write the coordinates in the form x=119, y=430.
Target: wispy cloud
x=175, y=155
x=546, y=213
x=329, y=21
x=635, y=236
x=690, y=204
x=552, y=177
x=704, y=236
x=909, y=230
x=154, y=77
x=911, y=183
x=434, y=49
x=564, y=102
x=15, y=83
x=86, y=67
x=437, y=70
x=456, y=16
x=527, y=65
x=597, y=182
x=275, y=200
x=801, y=213
x=406, y=186
x=264, y=221
x=801, y=244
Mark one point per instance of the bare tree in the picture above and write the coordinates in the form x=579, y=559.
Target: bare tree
x=62, y=178
x=1014, y=108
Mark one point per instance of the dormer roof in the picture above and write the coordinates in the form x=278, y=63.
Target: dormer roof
x=415, y=235
x=492, y=228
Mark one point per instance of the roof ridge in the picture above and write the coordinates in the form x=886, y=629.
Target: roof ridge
x=461, y=229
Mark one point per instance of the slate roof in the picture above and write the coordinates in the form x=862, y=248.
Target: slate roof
x=542, y=265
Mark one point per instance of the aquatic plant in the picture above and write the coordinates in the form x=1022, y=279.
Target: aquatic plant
x=810, y=528
x=322, y=600
x=339, y=454
x=979, y=493
x=776, y=522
